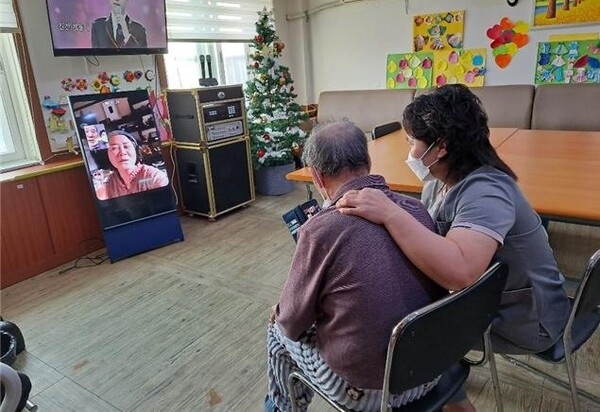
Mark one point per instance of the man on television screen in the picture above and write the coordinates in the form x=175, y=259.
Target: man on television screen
x=118, y=30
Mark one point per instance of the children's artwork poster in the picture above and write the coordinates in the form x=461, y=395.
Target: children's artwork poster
x=548, y=13
x=507, y=38
x=466, y=66
x=439, y=31
x=576, y=61
x=409, y=70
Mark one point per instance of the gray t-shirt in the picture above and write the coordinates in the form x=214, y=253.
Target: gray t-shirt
x=490, y=202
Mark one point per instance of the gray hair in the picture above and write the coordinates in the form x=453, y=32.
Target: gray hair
x=336, y=147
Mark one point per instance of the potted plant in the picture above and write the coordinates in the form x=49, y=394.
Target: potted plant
x=274, y=118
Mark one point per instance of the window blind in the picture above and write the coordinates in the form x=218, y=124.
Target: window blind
x=8, y=20
x=213, y=20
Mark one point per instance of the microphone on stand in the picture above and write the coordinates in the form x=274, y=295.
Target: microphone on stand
x=210, y=81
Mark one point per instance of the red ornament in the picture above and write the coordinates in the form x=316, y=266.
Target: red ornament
x=259, y=38
x=256, y=64
x=266, y=137
x=260, y=153
x=129, y=76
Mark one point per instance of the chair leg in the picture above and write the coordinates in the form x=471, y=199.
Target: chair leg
x=292, y=390
x=309, y=193
x=551, y=378
x=30, y=406
x=296, y=376
x=572, y=380
x=478, y=362
x=489, y=354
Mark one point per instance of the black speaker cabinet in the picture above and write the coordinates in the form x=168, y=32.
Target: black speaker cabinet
x=215, y=179
x=212, y=148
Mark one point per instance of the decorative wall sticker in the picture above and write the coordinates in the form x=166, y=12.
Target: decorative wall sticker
x=565, y=12
x=129, y=76
x=67, y=84
x=507, y=38
x=81, y=84
x=409, y=70
x=438, y=31
x=115, y=80
x=459, y=66
x=568, y=62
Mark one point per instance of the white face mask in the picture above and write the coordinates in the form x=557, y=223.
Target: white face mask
x=323, y=193
x=418, y=167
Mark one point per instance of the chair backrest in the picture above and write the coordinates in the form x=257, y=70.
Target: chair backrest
x=365, y=108
x=587, y=298
x=430, y=340
x=383, y=129
x=506, y=106
x=566, y=107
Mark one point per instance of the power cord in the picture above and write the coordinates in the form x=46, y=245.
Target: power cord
x=95, y=261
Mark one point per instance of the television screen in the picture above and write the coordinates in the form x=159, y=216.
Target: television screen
x=122, y=152
x=107, y=27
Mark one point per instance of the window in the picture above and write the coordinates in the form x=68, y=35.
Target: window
x=18, y=146
x=184, y=67
x=219, y=29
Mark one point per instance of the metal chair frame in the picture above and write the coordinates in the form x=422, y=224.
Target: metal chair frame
x=591, y=303
x=417, y=327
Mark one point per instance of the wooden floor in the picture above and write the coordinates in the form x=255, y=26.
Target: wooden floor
x=183, y=328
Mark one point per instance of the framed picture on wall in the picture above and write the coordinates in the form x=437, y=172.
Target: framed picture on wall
x=553, y=13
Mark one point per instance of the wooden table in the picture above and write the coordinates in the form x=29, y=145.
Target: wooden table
x=388, y=154
x=558, y=171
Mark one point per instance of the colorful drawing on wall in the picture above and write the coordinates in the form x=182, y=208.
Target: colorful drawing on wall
x=459, y=66
x=568, y=62
x=409, y=70
x=439, y=31
x=561, y=12
x=507, y=38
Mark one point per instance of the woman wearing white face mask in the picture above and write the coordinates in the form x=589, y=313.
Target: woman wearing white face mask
x=480, y=214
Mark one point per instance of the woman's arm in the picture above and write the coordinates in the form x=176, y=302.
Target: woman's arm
x=454, y=261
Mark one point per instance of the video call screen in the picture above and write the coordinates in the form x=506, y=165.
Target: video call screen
x=122, y=151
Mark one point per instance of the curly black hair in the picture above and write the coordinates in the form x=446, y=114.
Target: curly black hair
x=454, y=115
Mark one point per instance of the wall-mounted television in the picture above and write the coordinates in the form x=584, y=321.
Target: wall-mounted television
x=107, y=27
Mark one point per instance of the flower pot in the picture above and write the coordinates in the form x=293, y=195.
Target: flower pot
x=271, y=181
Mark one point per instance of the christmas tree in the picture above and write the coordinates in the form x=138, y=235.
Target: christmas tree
x=273, y=116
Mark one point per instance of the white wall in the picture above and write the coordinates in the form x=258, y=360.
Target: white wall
x=350, y=43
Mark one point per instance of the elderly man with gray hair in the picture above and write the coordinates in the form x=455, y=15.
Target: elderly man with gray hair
x=348, y=285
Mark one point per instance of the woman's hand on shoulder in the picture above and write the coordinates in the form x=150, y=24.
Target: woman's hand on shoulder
x=370, y=204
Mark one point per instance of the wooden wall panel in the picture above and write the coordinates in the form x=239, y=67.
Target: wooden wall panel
x=25, y=235
x=48, y=221
x=71, y=212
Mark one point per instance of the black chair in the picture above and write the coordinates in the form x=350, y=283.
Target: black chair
x=583, y=322
x=432, y=341
x=383, y=129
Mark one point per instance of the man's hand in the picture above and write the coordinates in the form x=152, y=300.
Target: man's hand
x=273, y=314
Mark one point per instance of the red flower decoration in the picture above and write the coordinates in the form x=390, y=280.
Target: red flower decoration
x=259, y=38
x=260, y=153
x=266, y=137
